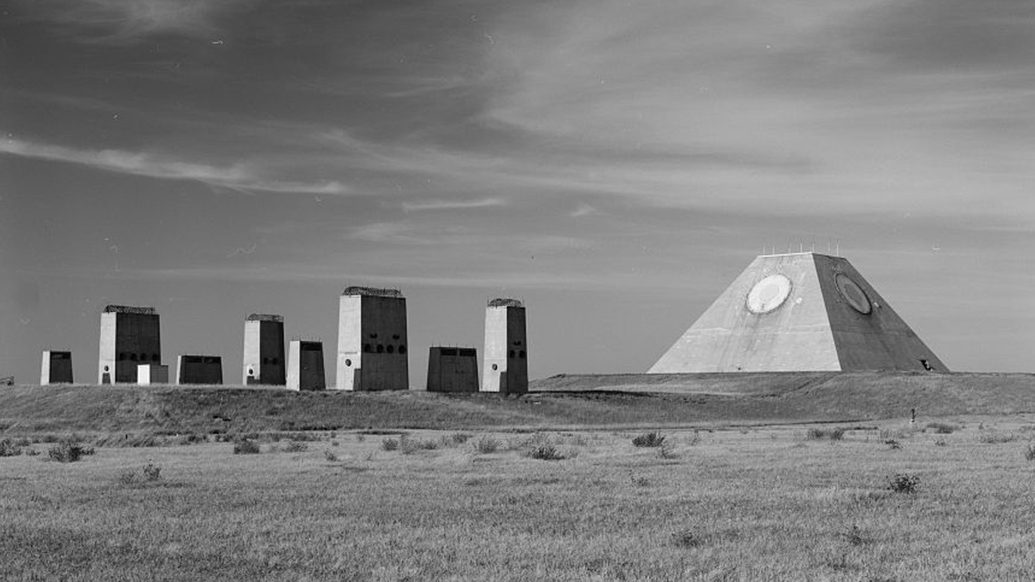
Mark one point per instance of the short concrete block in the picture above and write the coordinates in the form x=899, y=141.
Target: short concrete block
x=56, y=368
x=199, y=370
x=305, y=366
x=148, y=374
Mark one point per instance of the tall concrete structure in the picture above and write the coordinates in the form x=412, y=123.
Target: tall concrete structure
x=372, y=346
x=149, y=374
x=305, y=366
x=130, y=336
x=264, y=350
x=56, y=368
x=506, y=348
x=199, y=370
x=452, y=369
x=798, y=312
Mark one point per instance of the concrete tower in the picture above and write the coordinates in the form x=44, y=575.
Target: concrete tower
x=305, y=366
x=372, y=342
x=263, y=350
x=130, y=336
x=452, y=369
x=506, y=348
x=56, y=368
x=798, y=312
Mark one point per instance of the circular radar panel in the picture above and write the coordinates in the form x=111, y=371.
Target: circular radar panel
x=768, y=294
x=853, y=294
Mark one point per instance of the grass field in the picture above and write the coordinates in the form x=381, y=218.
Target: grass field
x=763, y=503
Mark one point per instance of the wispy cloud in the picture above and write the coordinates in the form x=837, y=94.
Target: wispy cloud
x=420, y=205
x=124, y=21
x=240, y=177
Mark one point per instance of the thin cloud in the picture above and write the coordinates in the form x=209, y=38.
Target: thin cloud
x=452, y=204
x=125, y=21
x=238, y=177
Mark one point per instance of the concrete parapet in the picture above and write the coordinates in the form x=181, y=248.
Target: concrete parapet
x=305, y=366
x=199, y=369
x=56, y=368
x=452, y=369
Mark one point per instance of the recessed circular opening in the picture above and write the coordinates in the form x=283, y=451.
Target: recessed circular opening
x=348, y=362
x=495, y=367
x=853, y=294
x=768, y=294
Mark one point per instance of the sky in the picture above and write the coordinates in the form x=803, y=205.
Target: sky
x=613, y=164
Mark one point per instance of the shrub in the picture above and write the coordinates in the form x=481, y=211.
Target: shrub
x=1029, y=453
x=940, y=443
x=152, y=472
x=487, y=445
x=246, y=447
x=69, y=451
x=639, y=481
x=295, y=447
x=853, y=536
x=390, y=444
x=545, y=452
x=686, y=538
x=993, y=437
x=459, y=438
x=128, y=478
x=834, y=434
x=330, y=456
x=893, y=444
x=408, y=446
x=649, y=439
x=904, y=483
x=10, y=448
x=667, y=451
x=941, y=427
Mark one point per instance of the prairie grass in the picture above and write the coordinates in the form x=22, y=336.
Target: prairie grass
x=765, y=505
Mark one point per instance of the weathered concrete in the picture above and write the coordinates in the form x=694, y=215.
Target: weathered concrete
x=372, y=343
x=305, y=366
x=798, y=312
x=452, y=369
x=199, y=369
x=264, y=361
x=130, y=336
x=506, y=348
x=56, y=368
x=149, y=374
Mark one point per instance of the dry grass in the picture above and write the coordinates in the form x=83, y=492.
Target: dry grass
x=755, y=505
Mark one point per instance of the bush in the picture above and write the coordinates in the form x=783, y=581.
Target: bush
x=152, y=472
x=408, y=446
x=69, y=451
x=295, y=447
x=330, y=456
x=686, y=538
x=545, y=452
x=246, y=447
x=10, y=448
x=993, y=437
x=1029, y=454
x=487, y=445
x=458, y=438
x=853, y=536
x=649, y=439
x=667, y=451
x=390, y=444
x=834, y=434
x=904, y=483
x=893, y=444
x=941, y=427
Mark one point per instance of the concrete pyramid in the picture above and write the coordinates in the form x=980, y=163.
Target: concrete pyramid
x=798, y=312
